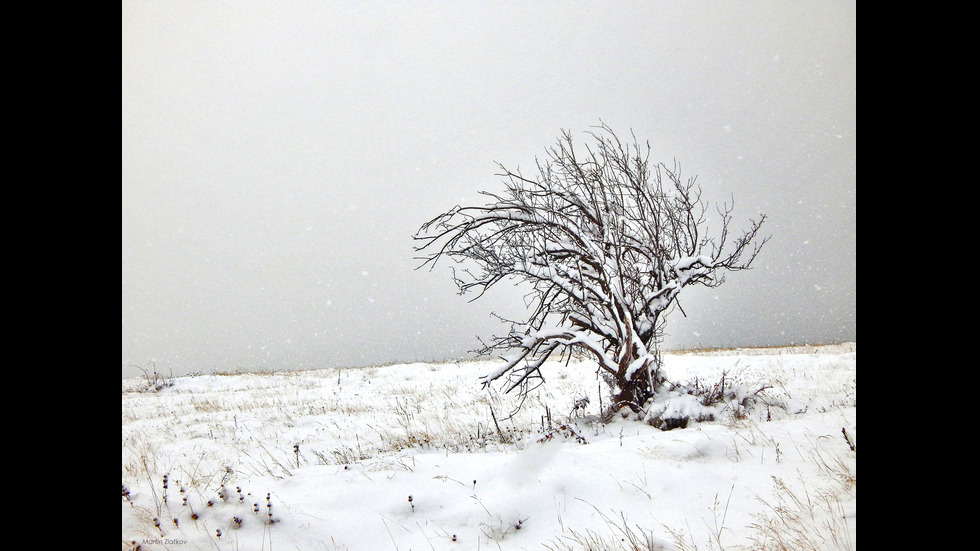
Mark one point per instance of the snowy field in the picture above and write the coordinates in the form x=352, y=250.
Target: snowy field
x=419, y=457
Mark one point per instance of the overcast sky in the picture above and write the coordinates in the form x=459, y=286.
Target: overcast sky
x=277, y=158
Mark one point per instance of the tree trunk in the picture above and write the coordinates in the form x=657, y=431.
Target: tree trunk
x=635, y=390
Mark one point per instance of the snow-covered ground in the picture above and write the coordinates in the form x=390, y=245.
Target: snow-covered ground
x=419, y=457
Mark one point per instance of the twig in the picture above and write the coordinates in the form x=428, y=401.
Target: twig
x=499, y=432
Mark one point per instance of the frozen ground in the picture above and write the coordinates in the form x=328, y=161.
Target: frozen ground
x=328, y=459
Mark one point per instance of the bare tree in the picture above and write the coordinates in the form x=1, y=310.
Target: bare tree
x=606, y=243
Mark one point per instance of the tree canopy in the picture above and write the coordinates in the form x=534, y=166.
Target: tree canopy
x=606, y=241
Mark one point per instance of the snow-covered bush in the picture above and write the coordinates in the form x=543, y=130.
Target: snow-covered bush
x=676, y=407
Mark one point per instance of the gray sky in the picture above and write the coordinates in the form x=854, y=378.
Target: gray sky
x=277, y=157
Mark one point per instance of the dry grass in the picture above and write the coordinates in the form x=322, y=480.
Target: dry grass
x=621, y=537
x=829, y=348
x=799, y=521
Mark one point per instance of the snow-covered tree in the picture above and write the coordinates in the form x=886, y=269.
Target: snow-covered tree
x=606, y=243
